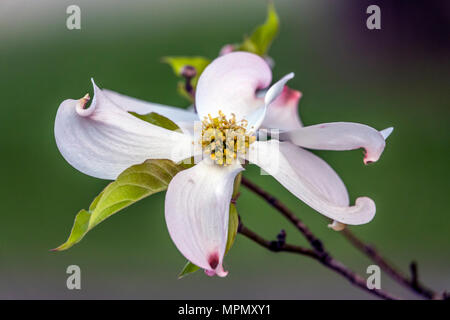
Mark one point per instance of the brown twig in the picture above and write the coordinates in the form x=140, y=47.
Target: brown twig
x=324, y=258
x=274, y=202
x=412, y=284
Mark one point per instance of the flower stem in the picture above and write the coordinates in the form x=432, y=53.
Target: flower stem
x=189, y=72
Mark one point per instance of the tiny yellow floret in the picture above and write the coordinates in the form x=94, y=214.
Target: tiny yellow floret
x=225, y=139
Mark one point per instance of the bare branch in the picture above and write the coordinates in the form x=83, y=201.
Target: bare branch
x=412, y=284
x=274, y=202
x=270, y=246
x=324, y=258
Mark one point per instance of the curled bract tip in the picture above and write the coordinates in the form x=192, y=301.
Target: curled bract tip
x=219, y=271
x=81, y=105
x=216, y=266
x=212, y=273
x=81, y=108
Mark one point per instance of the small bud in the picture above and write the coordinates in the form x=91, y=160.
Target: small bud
x=188, y=72
x=281, y=236
x=279, y=243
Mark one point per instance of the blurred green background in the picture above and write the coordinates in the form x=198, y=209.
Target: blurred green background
x=397, y=76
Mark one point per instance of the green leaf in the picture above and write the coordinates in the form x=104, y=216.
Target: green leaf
x=158, y=120
x=233, y=224
x=132, y=185
x=262, y=37
x=79, y=229
x=178, y=63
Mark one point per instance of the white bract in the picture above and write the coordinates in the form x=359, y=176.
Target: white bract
x=231, y=97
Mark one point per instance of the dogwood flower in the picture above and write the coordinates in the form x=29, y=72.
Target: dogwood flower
x=231, y=101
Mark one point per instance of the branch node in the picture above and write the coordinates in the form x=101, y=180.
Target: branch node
x=274, y=246
x=272, y=200
x=318, y=245
x=278, y=244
